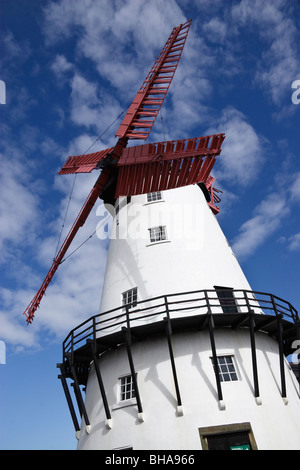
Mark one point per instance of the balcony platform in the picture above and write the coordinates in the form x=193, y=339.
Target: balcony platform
x=173, y=314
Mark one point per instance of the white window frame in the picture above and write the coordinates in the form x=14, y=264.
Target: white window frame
x=156, y=196
x=129, y=298
x=122, y=400
x=224, y=368
x=127, y=390
x=158, y=234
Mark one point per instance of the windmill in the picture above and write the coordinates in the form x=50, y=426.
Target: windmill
x=183, y=354
x=144, y=168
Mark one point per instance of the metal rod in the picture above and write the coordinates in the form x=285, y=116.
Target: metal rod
x=78, y=392
x=253, y=353
x=280, y=343
x=68, y=397
x=128, y=324
x=132, y=370
x=168, y=334
x=100, y=381
x=214, y=353
x=281, y=357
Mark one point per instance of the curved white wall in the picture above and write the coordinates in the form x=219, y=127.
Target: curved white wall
x=195, y=256
x=275, y=424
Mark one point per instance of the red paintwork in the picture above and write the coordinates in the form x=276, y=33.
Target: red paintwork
x=145, y=107
x=167, y=165
x=84, y=163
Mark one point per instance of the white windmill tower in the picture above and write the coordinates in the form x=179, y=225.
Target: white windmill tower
x=183, y=354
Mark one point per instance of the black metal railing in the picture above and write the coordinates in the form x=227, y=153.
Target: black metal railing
x=175, y=306
x=197, y=309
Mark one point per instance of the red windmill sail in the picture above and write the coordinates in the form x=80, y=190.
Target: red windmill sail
x=145, y=107
x=144, y=168
x=167, y=165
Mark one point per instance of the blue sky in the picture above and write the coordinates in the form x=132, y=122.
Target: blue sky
x=70, y=69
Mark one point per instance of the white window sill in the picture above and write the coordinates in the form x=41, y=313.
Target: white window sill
x=158, y=242
x=124, y=403
x=153, y=202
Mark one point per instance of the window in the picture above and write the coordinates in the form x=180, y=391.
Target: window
x=152, y=197
x=226, y=368
x=158, y=234
x=226, y=299
x=129, y=298
x=127, y=390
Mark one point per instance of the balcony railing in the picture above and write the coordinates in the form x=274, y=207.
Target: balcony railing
x=211, y=309
x=230, y=303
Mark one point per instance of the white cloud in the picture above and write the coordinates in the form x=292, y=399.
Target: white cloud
x=91, y=108
x=279, y=64
x=28, y=237
x=15, y=333
x=270, y=213
x=105, y=33
x=242, y=156
x=72, y=295
x=266, y=219
x=294, y=242
x=295, y=188
x=61, y=66
x=15, y=53
x=216, y=30
x=21, y=210
x=16, y=213
x=106, y=27
x=84, y=101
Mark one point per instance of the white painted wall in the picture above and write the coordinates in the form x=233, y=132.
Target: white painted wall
x=196, y=255
x=275, y=425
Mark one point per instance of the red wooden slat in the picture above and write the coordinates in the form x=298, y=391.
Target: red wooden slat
x=148, y=177
x=125, y=177
x=194, y=170
x=161, y=175
x=156, y=172
x=169, y=147
x=165, y=176
x=204, y=142
x=84, y=163
x=184, y=171
x=174, y=169
x=137, y=135
x=207, y=167
x=183, y=148
x=161, y=66
x=140, y=179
